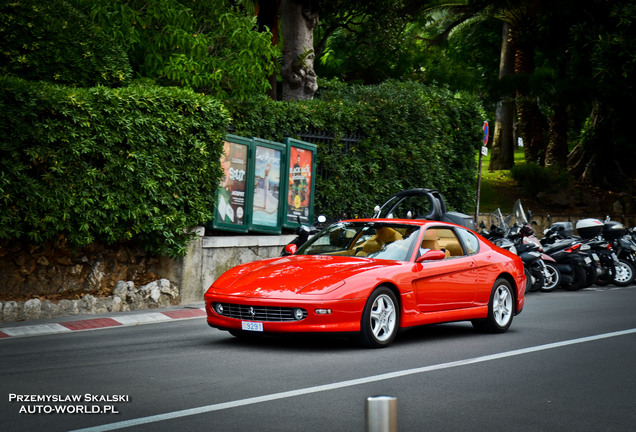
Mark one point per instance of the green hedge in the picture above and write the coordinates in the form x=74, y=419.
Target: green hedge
x=412, y=136
x=107, y=165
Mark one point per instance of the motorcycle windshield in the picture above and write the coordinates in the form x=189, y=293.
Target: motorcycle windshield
x=520, y=215
x=497, y=220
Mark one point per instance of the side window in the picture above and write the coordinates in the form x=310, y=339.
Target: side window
x=449, y=242
x=470, y=241
x=442, y=239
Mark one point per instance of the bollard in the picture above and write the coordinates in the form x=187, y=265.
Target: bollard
x=382, y=414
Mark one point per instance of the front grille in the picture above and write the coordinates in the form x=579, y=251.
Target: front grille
x=258, y=313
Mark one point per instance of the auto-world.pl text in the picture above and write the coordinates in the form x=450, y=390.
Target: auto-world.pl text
x=87, y=403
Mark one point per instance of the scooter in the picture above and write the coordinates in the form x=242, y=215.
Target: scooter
x=545, y=272
x=590, y=230
x=571, y=262
x=625, y=248
x=537, y=273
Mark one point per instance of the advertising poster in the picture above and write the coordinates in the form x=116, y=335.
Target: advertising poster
x=231, y=199
x=299, y=184
x=266, y=196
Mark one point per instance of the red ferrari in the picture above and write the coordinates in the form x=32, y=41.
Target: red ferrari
x=371, y=278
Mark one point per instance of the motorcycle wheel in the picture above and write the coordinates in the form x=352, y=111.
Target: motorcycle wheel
x=538, y=279
x=624, y=274
x=553, y=281
x=578, y=279
x=606, y=278
x=590, y=275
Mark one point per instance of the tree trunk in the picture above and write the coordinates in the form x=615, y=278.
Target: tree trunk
x=557, y=152
x=593, y=160
x=502, y=156
x=532, y=123
x=298, y=18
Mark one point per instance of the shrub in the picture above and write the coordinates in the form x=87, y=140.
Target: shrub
x=533, y=178
x=411, y=135
x=107, y=165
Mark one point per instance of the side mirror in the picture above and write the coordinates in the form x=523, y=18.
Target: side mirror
x=291, y=248
x=431, y=255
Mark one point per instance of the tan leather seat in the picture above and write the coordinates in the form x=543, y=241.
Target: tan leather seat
x=430, y=240
x=382, y=236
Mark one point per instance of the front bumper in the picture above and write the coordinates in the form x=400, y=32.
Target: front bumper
x=343, y=315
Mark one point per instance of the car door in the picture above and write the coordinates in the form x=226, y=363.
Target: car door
x=446, y=284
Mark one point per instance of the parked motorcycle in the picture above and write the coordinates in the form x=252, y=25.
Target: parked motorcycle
x=511, y=238
x=303, y=233
x=602, y=253
x=624, y=247
x=546, y=272
x=573, y=263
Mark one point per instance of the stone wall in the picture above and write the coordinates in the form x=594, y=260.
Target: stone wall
x=48, y=281
x=56, y=272
x=126, y=296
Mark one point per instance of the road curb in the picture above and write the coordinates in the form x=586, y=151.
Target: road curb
x=101, y=323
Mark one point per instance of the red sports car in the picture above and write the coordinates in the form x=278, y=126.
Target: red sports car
x=371, y=278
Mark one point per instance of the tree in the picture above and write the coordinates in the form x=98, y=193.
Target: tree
x=52, y=41
x=298, y=19
x=605, y=42
x=207, y=46
x=502, y=144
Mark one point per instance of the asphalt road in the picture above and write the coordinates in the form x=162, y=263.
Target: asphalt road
x=567, y=364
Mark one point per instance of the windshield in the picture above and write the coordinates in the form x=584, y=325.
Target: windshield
x=364, y=239
x=520, y=215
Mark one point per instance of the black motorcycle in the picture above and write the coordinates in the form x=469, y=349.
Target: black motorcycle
x=545, y=274
x=625, y=248
x=513, y=239
x=574, y=265
x=303, y=233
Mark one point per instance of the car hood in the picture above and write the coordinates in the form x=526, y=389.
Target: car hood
x=293, y=275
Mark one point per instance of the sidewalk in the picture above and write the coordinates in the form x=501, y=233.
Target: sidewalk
x=85, y=322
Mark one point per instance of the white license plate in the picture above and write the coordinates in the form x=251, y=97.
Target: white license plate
x=252, y=326
x=596, y=258
x=587, y=260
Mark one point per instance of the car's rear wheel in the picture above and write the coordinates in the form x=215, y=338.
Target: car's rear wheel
x=500, y=309
x=380, y=319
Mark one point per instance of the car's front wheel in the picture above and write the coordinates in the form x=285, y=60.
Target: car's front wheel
x=500, y=309
x=380, y=319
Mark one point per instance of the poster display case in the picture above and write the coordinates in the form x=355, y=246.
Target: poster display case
x=234, y=193
x=265, y=185
x=269, y=186
x=301, y=184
